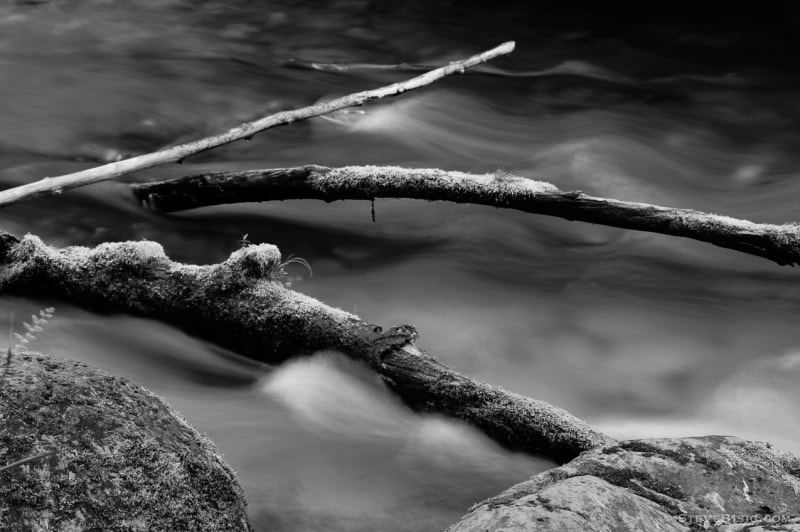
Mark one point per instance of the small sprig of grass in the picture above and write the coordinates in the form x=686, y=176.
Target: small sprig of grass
x=283, y=275
x=36, y=326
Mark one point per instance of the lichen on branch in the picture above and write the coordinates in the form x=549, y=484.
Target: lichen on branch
x=242, y=305
x=778, y=243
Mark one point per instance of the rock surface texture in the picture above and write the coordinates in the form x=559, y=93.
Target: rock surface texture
x=119, y=457
x=707, y=483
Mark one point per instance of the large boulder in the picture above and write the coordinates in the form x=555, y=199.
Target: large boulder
x=709, y=483
x=109, y=456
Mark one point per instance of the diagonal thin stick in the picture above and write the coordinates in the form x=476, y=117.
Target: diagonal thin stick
x=26, y=460
x=56, y=185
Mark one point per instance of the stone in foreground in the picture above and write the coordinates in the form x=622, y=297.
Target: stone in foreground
x=121, y=459
x=709, y=483
x=572, y=504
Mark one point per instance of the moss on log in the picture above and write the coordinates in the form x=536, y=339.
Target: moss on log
x=778, y=243
x=241, y=304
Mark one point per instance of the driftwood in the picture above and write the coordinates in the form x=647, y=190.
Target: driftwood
x=779, y=243
x=241, y=304
x=56, y=185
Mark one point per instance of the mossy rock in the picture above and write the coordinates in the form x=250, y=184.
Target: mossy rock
x=121, y=459
x=572, y=504
x=707, y=483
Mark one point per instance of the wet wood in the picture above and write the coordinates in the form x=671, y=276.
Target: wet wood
x=778, y=243
x=241, y=304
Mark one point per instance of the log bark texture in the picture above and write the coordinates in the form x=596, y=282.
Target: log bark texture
x=778, y=243
x=241, y=304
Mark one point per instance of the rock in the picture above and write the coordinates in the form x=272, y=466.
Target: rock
x=572, y=504
x=121, y=458
x=708, y=483
x=767, y=524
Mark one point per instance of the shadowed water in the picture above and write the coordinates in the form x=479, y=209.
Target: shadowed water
x=639, y=334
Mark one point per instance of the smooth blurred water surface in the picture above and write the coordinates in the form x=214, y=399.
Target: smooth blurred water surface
x=639, y=334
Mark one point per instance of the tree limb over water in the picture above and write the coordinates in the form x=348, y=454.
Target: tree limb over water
x=778, y=243
x=56, y=185
x=242, y=304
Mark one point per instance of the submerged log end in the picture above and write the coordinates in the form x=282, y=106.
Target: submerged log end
x=532, y=425
x=513, y=420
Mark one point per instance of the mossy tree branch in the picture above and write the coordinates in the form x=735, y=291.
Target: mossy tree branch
x=56, y=185
x=241, y=304
x=778, y=243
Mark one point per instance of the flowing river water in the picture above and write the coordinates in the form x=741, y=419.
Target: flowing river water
x=639, y=334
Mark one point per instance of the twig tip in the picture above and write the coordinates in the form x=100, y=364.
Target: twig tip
x=504, y=48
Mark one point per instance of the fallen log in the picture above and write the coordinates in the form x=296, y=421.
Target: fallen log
x=778, y=243
x=242, y=305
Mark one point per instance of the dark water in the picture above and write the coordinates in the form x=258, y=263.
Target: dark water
x=641, y=335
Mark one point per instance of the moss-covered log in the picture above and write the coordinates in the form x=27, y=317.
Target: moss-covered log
x=241, y=304
x=778, y=243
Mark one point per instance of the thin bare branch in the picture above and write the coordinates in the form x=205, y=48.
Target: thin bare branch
x=778, y=243
x=56, y=185
x=26, y=460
